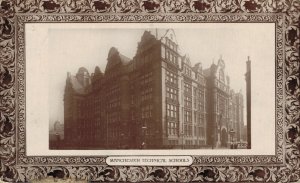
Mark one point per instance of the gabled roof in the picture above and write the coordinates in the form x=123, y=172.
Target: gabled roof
x=77, y=87
x=98, y=71
x=170, y=33
x=115, y=58
x=125, y=60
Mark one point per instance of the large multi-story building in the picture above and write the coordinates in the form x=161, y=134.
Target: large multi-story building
x=155, y=100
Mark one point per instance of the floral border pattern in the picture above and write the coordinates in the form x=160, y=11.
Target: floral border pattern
x=287, y=80
x=203, y=160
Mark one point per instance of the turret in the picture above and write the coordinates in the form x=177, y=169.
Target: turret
x=83, y=76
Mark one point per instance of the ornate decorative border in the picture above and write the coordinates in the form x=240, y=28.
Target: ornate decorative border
x=22, y=19
x=285, y=13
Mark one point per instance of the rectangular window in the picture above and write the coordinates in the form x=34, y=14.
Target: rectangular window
x=163, y=52
x=147, y=78
x=146, y=94
x=190, y=130
x=187, y=101
x=172, y=93
x=185, y=129
x=187, y=71
x=173, y=58
x=188, y=88
x=187, y=116
x=172, y=111
x=147, y=111
x=168, y=55
x=171, y=78
x=172, y=128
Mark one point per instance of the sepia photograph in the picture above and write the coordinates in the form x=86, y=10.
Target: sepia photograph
x=150, y=88
x=149, y=91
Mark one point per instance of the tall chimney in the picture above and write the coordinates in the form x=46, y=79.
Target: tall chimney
x=248, y=63
x=248, y=101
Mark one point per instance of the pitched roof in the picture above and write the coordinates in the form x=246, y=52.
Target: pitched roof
x=125, y=60
x=78, y=88
x=114, y=58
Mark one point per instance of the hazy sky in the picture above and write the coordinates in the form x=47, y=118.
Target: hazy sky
x=87, y=45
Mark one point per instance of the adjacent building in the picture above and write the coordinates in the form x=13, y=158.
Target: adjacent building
x=56, y=135
x=155, y=100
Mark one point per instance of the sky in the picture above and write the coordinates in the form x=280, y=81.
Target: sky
x=87, y=45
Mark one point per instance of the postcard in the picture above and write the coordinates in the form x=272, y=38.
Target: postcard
x=143, y=91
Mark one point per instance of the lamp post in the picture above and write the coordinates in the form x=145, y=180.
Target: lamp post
x=106, y=130
x=181, y=133
x=121, y=140
x=231, y=137
x=144, y=128
x=156, y=136
x=57, y=140
x=217, y=137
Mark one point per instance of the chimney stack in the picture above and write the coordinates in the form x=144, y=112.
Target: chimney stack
x=248, y=101
x=248, y=64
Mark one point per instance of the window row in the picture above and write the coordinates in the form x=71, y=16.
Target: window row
x=146, y=94
x=147, y=111
x=146, y=59
x=171, y=77
x=147, y=78
x=173, y=142
x=172, y=111
x=172, y=128
x=188, y=142
x=170, y=56
x=113, y=132
x=113, y=117
x=114, y=102
x=199, y=118
x=113, y=91
x=172, y=93
x=188, y=101
x=188, y=88
x=187, y=116
x=146, y=97
x=171, y=44
x=188, y=130
x=199, y=132
x=187, y=71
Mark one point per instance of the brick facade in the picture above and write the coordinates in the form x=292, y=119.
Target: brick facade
x=155, y=100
